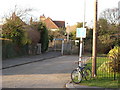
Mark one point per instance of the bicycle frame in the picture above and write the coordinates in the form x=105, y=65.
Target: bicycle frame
x=82, y=71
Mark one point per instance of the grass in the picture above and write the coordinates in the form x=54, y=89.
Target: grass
x=103, y=79
x=100, y=61
x=100, y=82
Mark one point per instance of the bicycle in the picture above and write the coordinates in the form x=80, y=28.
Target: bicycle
x=79, y=73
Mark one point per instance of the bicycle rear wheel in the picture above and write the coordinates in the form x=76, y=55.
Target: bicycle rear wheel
x=76, y=76
x=87, y=74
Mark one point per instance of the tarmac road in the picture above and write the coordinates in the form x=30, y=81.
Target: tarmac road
x=51, y=73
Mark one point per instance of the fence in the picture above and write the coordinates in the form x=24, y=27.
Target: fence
x=55, y=45
x=10, y=50
x=70, y=47
x=106, y=68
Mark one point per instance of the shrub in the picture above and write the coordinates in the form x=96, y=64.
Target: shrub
x=44, y=39
x=106, y=67
x=111, y=65
x=114, y=54
x=13, y=29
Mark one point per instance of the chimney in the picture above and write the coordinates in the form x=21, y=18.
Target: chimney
x=13, y=16
x=42, y=18
x=31, y=20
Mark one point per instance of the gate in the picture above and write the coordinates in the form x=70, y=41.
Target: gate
x=56, y=45
x=71, y=47
x=65, y=47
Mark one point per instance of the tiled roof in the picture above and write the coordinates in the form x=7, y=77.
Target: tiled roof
x=42, y=16
x=15, y=17
x=50, y=24
x=60, y=24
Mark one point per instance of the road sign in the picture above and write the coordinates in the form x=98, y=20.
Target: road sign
x=81, y=32
x=58, y=39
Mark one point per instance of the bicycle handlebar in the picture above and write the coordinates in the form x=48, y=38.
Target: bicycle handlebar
x=78, y=62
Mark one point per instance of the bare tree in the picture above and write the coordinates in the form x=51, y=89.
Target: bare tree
x=111, y=15
x=22, y=13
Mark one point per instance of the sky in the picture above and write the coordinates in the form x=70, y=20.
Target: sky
x=70, y=11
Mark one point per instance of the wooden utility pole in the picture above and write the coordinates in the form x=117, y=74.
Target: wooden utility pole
x=94, y=52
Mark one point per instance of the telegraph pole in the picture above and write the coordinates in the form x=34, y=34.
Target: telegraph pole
x=94, y=52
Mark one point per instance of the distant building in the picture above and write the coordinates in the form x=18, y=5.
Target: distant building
x=15, y=17
x=52, y=25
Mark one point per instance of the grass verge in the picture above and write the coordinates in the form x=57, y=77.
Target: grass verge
x=101, y=82
x=103, y=79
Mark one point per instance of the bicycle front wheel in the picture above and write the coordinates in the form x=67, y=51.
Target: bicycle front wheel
x=76, y=76
x=87, y=73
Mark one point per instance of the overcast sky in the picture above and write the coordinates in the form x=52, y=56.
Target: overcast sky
x=69, y=10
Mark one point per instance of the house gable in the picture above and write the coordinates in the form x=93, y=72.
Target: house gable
x=52, y=25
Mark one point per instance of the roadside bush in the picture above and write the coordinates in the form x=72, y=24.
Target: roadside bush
x=113, y=63
x=13, y=29
x=114, y=54
x=107, y=67
x=44, y=38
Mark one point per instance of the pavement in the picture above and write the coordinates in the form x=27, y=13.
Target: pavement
x=72, y=86
x=7, y=63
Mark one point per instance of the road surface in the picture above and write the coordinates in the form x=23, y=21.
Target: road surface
x=50, y=73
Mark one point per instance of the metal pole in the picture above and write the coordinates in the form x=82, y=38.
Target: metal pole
x=67, y=37
x=84, y=13
x=84, y=20
x=81, y=40
x=55, y=44
x=80, y=54
x=68, y=28
x=94, y=53
x=62, y=47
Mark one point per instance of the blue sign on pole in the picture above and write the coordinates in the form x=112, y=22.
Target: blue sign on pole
x=81, y=32
x=58, y=39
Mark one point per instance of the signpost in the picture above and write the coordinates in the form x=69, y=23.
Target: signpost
x=80, y=33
